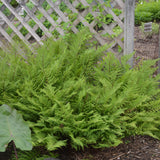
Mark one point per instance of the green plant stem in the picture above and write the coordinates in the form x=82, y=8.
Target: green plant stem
x=15, y=151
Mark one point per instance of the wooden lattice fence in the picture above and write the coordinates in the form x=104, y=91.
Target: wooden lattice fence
x=37, y=20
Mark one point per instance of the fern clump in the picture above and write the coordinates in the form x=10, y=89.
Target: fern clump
x=69, y=96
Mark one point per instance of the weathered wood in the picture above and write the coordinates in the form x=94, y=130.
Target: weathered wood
x=61, y=14
x=13, y=27
x=47, y=16
x=109, y=10
x=5, y=34
x=21, y=20
x=148, y=27
x=31, y=15
x=129, y=28
x=26, y=19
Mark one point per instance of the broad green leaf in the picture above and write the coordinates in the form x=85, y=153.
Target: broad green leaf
x=13, y=128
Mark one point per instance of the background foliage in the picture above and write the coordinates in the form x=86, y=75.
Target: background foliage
x=147, y=12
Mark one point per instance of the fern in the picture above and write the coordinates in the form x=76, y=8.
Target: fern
x=71, y=94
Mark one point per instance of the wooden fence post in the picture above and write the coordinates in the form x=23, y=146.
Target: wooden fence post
x=129, y=28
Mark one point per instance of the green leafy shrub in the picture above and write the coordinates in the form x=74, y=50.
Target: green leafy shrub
x=152, y=7
x=157, y=16
x=143, y=17
x=14, y=3
x=69, y=96
x=147, y=12
x=117, y=11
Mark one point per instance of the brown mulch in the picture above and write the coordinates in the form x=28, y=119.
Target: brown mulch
x=133, y=148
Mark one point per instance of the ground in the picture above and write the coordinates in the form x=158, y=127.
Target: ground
x=133, y=148
x=146, y=47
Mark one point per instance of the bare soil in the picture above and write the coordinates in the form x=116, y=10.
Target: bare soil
x=132, y=148
x=146, y=47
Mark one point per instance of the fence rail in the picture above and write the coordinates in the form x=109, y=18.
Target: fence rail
x=40, y=19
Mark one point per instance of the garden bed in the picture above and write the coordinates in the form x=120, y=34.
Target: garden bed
x=133, y=148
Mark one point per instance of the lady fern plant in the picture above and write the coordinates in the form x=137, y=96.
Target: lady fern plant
x=70, y=96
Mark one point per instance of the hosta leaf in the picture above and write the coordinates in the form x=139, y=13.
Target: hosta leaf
x=13, y=127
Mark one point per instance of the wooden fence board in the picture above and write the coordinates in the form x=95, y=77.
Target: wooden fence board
x=104, y=34
x=129, y=29
x=21, y=20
